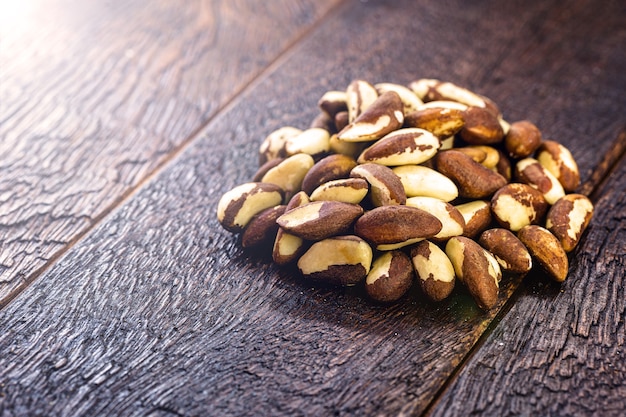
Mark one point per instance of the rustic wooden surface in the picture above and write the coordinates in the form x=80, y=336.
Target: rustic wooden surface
x=155, y=310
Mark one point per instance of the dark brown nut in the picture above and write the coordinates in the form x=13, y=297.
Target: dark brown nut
x=410, y=100
x=517, y=205
x=557, y=159
x=568, y=218
x=347, y=190
x=313, y=141
x=299, y=199
x=522, y=139
x=546, y=249
x=289, y=173
x=477, y=216
x=323, y=121
x=434, y=270
x=440, y=121
x=503, y=167
x=530, y=171
x=472, y=179
x=383, y=116
x=238, y=206
x=402, y=147
x=287, y=247
x=508, y=250
x=385, y=186
x=332, y=167
x=419, y=180
x=333, y=102
x=359, y=96
x=273, y=146
x=320, y=219
x=492, y=156
x=390, y=277
x=340, y=260
x=452, y=221
x=341, y=120
x=258, y=175
x=481, y=127
x=262, y=228
x=476, y=268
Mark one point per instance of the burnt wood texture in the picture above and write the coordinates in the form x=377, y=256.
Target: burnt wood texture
x=154, y=310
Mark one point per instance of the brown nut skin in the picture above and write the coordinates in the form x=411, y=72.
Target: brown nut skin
x=333, y=102
x=402, y=147
x=522, y=140
x=481, y=127
x=477, y=216
x=274, y=145
x=385, y=186
x=530, y=171
x=390, y=277
x=320, y=219
x=383, y=116
x=262, y=228
x=472, y=179
x=557, y=159
x=441, y=122
x=546, y=249
x=238, y=206
x=360, y=94
x=568, y=218
x=517, y=205
x=508, y=250
x=287, y=247
x=332, y=167
x=434, y=270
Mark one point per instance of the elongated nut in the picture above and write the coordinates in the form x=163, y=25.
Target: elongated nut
x=273, y=146
x=262, y=228
x=392, y=227
x=239, y=205
x=320, y=219
x=289, y=173
x=477, y=216
x=546, y=249
x=434, y=270
x=385, y=186
x=347, y=190
x=440, y=121
x=472, y=179
x=568, y=218
x=314, y=141
x=359, y=96
x=476, y=268
x=522, y=139
x=429, y=90
x=333, y=102
x=351, y=149
x=390, y=277
x=517, y=205
x=287, y=247
x=530, y=171
x=481, y=127
x=383, y=116
x=340, y=260
x=419, y=180
x=446, y=104
x=332, y=167
x=410, y=100
x=557, y=159
x=402, y=147
x=508, y=250
x=452, y=222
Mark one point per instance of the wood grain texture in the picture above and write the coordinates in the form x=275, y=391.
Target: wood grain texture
x=159, y=312
x=95, y=97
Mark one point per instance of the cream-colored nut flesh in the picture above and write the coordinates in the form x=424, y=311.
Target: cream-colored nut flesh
x=385, y=186
x=237, y=206
x=531, y=172
x=419, y=180
x=402, y=147
x=273, y=146
x=410, y=100
x=442, y=122
x=451, y=219
x=434, y=270
x=568, y=218
x=390, y=277
x=383, y=116
x=360, y=94
x=332, y=102
x=557, y=159
x=289, y=174
x=342, y=147
x=287, y=247
x=446, y=104
x=517, y=205
x=332, y=167
x=312, y=141
x=320, y=219
x=547, y=250
x=477, y=216
x=348, y=190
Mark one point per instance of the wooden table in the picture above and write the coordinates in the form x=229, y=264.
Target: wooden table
x=123, y=122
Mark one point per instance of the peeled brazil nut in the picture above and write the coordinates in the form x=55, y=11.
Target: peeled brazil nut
x=530, y=171
x=313, y=141
x=348, y=190
x=402, y=147
x=419, y=180
x=410, y=100
x=341, y=147
x=239, y=205
x=262, y=228
x=440, y=121
x=472, y=179
x=320, y=219
x=434, y=270
x=517, y=205
x=568, y=218
x=546, y=249
x=508, y=250
x=452, y=222
x=332, y=167
x=557, y=159
x=385, y=186
x=360, y=94
x=429, y=89
x=476, y=268
x=390, y=277
x=522, y=139
x=481, y=127
x=273, y=146
x=477, y=216
x=339, y=260
x=333, y=102
x=289, y=173
x=392, y=227
x=287, y=247
x=383, y=116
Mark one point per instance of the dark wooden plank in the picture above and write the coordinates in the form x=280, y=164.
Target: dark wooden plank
x=560, y=349
x=165, y=314
x=95, y=97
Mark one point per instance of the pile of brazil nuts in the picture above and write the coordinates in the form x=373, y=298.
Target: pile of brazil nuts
x=427, y=183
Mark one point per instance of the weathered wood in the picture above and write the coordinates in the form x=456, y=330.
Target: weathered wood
x=158, y=311
x=94, y=98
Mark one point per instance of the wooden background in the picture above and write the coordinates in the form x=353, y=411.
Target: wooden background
x=121, y=125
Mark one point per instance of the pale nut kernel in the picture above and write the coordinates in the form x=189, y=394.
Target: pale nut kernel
x=289, y=173
x=392, y=227
x=472, y=179
x=434, y=270
x=360, y=94
x=313, y=141
x=530, y=171
x=410, y=100
x=239, y=205
x=287, y=247
x=481, y=127
x=383, y=116
x=546, y=249
x=273, y=146
x=568, y=218
x=390, y=277
x=557, y=159
x=262, y=228
x=405, y=146
x=432, y=90
x=258, y=175
x=446, y=104
x=340, y=260
x=419, y=180
x=452, y=221
x=477, y=216
x=476, y=268
x=332, y=167
x=333, y=102
x=440, y=121
x=522, y=139
x=385, y=186
x=517, y=205
x=320, y=219
x=347, y=190
x=508, y=250
x=341, y=147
